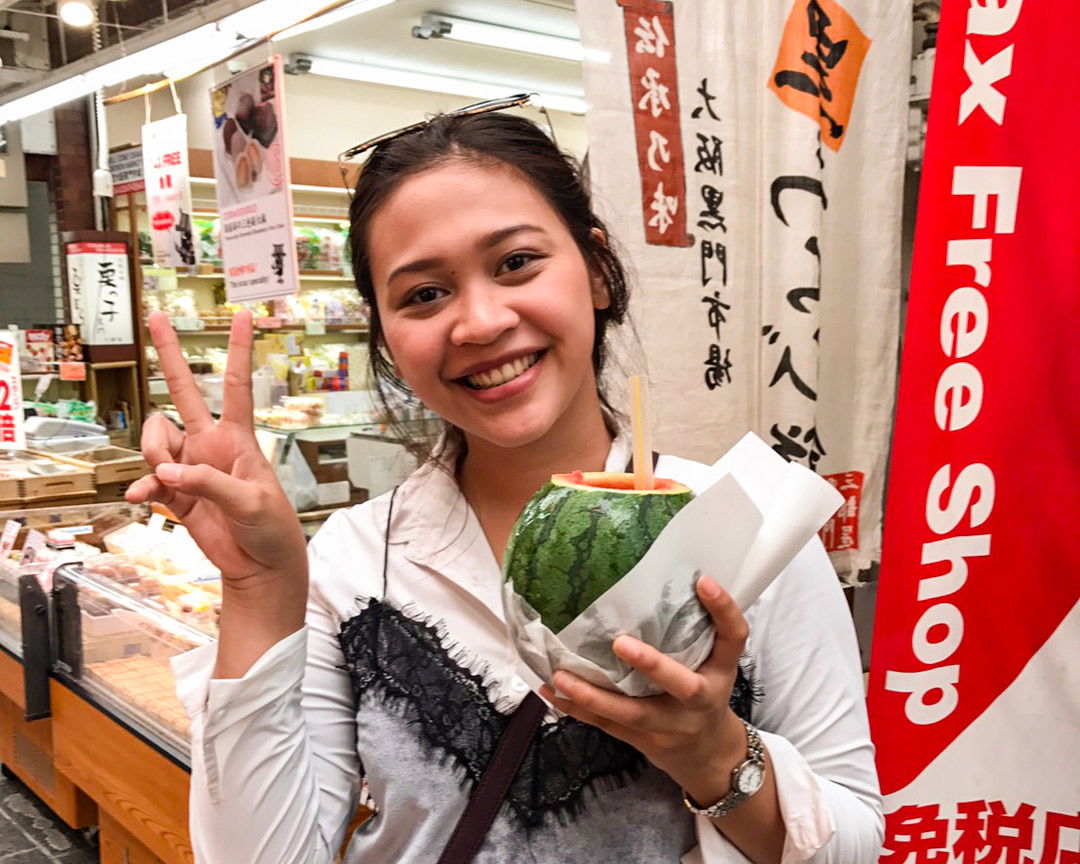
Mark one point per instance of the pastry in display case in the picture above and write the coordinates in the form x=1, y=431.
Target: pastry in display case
x=119, y=621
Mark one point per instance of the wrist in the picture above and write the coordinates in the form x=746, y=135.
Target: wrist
x=711, y=778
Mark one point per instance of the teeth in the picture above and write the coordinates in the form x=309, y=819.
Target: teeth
x=506, y=372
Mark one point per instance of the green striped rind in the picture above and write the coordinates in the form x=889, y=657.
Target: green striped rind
x=571, y=543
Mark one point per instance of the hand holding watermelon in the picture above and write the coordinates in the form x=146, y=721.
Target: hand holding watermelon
x=688, y=731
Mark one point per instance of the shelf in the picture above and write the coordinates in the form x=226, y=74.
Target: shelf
x=223, y=329
x=309, y=275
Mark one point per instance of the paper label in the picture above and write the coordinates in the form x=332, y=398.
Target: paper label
x=7, y=539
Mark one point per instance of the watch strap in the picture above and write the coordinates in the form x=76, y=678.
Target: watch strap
x=755, y=755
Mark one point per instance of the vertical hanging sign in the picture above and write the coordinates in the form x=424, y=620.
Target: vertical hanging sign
x=11, y=409
x=254, y=198
x=99, y=288
x=168, y=191
x=974, y=691
x=654, y=89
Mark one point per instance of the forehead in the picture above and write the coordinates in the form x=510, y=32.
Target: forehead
x=455, y=198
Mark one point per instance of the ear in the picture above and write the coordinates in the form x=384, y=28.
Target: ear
x=598, y=285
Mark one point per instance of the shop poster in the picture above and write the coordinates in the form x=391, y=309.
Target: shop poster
x=974, y=689
x=126, y=167
x=168, y=192
x=12, y=434
x=765, y=142
x=253, y=193
x=99, y=291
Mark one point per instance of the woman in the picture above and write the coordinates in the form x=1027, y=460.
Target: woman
x=491, y=285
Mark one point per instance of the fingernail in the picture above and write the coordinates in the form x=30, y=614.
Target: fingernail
x=626, y=648
x=168, y=472
x=708, y=588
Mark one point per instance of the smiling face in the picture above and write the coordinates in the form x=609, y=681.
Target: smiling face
x=486, y=302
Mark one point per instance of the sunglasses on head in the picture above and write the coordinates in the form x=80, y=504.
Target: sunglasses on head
x=485, y=107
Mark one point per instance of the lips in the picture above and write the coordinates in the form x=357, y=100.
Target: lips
x=505, y=372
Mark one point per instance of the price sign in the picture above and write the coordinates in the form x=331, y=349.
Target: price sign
x=11, y=408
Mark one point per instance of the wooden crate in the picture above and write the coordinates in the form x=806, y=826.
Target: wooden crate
x=58, y=487
x=108, y=464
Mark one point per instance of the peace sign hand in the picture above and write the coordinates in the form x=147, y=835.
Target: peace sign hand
x=214, y=477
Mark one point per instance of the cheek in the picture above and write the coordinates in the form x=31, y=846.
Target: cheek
x=416, y=350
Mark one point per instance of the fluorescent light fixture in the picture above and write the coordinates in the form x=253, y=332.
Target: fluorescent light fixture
x=428, y=81
x=342, y=13
x=76, y=13
x=183, y=54
x=438, y=26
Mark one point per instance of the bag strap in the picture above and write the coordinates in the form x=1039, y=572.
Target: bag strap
x=490, y=791
x=487, y=797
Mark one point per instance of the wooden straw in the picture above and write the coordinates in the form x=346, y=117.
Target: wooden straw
x=642, y=435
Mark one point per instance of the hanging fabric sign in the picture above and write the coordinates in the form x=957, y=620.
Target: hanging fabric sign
x=168, y=192
x=11, y=409
x=253, y=194
x=99, y=290
x=974, y=686
x=765, y=144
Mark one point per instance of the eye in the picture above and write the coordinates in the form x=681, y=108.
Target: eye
x=518, y=261
x=424, y=295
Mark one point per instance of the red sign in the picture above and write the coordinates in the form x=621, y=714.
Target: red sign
x=95, y=249
x=980, y=564
x=162, y=220
x=654, y=89
x=842, y=531
x=70, y=371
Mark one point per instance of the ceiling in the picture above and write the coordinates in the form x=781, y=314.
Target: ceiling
x=382, y=36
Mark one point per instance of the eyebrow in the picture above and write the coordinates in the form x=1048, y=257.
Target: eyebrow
x=486, y=242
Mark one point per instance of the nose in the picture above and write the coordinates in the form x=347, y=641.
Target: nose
x=484, y=314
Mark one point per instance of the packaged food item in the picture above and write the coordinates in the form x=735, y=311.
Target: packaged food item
x=38, y=355
x=69, y=343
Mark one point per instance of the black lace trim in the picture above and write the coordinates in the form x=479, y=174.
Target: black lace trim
x=406, y=659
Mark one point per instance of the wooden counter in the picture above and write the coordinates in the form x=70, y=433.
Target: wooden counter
x=141, y=794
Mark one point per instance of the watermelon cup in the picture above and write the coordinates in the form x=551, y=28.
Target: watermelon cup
x=591, y=558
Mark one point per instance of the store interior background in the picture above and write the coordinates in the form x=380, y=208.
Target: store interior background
x=325, y=115
x=48, y=192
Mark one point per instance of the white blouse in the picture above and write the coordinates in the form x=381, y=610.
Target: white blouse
x=404, y=686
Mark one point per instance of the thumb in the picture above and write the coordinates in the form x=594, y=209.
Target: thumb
x=203, y=481
x=731, y=628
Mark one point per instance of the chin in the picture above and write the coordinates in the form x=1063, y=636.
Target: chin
x=508, y=432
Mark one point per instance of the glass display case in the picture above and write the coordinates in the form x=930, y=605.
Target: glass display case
x=119, y=619
x=85, y=527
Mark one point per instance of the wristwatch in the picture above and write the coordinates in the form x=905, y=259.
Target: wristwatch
x=746, y=778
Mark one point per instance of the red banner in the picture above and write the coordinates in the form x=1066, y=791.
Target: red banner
x=980, y=575
x=654, y=89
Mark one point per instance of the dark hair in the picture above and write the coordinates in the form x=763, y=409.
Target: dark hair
x=488, y=139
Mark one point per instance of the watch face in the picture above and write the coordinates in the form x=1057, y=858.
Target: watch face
x=750, y=778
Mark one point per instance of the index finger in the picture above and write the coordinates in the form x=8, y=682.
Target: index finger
x=181, y=383
x=238, y=405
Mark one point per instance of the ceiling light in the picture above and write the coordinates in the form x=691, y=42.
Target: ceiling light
x=573, y=103
x=76, y=13
x=181, y=55
x=342, y=13
x=435, y=26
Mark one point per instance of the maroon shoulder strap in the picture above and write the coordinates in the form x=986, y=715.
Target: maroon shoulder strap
x=487, y=797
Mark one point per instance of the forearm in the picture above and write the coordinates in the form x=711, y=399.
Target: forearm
x=253, y=764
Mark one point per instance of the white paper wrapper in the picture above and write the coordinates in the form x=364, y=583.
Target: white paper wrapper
x=751, y=517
